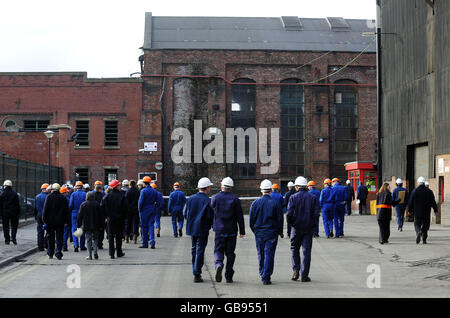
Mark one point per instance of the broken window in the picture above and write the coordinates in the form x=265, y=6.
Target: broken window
x=35, y=125
x=82, y=129
x=111, y=133
x=110, y=175
x=292, y=139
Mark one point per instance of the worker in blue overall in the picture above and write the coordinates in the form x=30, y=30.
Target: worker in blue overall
x=148, y=205
x=159, y=210
x=177, y=199
x=38, y=209
x=400, y=196
x=199, y=219
x=326, y=202
x=340, y=199
x=266, y=222
x=313, y=190
x=78, y=197
x=303, y=215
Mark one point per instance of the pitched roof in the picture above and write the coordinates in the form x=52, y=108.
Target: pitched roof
x=250, y=33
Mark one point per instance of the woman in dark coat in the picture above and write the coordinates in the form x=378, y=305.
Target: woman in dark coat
x=90, y=217
x=384, y=212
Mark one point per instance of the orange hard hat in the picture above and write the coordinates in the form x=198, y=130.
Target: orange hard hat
x=78, y=183
x=275, y=186
x=327, y=180
x=63, y=190
x=176, y=184
x=114, y=183
x=335, y=180
x=44, y=186
x=311, y=183
x=154, y=186
x=147, y=179
x=98, y=182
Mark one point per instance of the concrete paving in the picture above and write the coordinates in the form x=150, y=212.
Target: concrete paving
x=339, y=268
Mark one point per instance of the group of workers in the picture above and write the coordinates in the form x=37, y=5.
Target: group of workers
x=61, y=211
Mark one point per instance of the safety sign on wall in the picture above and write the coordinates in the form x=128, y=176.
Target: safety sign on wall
x=151, y=146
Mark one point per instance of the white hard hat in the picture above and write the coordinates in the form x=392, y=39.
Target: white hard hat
x=125, y=182
x=227, y=182
x=348, y=182
x=427, y=184
x=56, y=186
x=290, y=184
x=398, y=181
x=266, y=185
x=204, y=183
x=86, y=186
x=140, y=182
x=7, y=183
x=301, y=181
x=421, y=180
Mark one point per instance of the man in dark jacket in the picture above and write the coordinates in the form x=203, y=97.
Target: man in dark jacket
x=287, y=195
x=199, y=218
x=56, y=215
x=99, y=194
x=400, y=196
x=10, y=211
x=38, y=209
x=303, y=215
x=420, y=203
x=91, y=219
x=361, y=195
x=115, y=209
x=266, y=222
x=227, y=216
x=132, y=196
x=350, y=197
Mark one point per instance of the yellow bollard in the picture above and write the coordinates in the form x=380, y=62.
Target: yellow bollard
x=373, y=207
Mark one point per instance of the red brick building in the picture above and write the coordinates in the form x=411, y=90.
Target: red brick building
x=264, y=73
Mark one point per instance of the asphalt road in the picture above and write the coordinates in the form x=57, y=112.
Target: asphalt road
x=339, y=268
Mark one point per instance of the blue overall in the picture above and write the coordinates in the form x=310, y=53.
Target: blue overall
x=75, y=201
x=39, y=207
x=326, y=202
x=148, y=205
x=159, y=210
x=67, y=228
x=340, y=198
x=177, y=199
x=316, y=193
x=266, y=222
x=400, y=208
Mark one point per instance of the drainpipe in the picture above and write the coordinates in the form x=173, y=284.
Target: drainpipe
x=379, y=94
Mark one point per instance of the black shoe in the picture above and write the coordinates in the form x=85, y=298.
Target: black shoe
x=112, y=257
x=59, y=257
x=14, y=241
x=89, y=257
x=296, y=275
x=158, y=235
x=96, y=256
x=141, y=246
x=267, y=282
x=180, y=233
x=229, y=280
x=84, y=249
x=120, y=254
x=424, y=241
x=76, y=250
x=401, y=229
x=175, y=235
x=152, y=247
x=100, y=247
x=41, y=249
x=331, y=234
x=328, y=236
x=6, y=243
x=50, y=256
x=306, y=279
x=198, y=279
x=65, y=249
x=219, y=274
x=418, y=239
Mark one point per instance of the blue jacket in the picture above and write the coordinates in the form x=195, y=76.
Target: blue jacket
x=277, y=197
x=227, y=214
x=315, y=193
x=303, y=211
x=160, y=201
x=148, y=200
x=177, y=200
x=266, y=218
x=199, y=215
x=340, y=193
x=286, y=197
x=326, y=198
x=395, y=196
x=39, y=204
x=76, y=199
x=362, y=193
x=350, y=192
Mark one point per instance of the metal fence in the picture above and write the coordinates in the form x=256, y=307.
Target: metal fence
x=27, y=178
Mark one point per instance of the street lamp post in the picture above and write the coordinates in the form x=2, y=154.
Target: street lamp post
x=49, y=134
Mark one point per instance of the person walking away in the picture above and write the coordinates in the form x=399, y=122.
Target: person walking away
x=65, y=192
x=140, y=184
x=199, y=219
x=313, y=190
x=147, y=205
x=124, y=190
x=177, y=199
x=303, y=215
x=384, y=212
x=327, y=205
x=400, y=197
x=361, y=195
x=228, y=216
x=350, y=197
x=132, y=196
x=38, y=209
x=86, y=187
x=10, y=212
x=266, y=222
x=276, y=195
x=99, y=194
x=114, y=208
x=90, y=218
x=159, y=210
x=419, y=204
x=56, y=215
x=340, y=197
x=78, y=197
x=287, y=195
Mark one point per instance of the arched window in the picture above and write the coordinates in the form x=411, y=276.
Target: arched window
x=243, y=114
x=345, y=123
x=292, y=144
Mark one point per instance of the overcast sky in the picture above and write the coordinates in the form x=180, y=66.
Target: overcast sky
x=103, y=37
